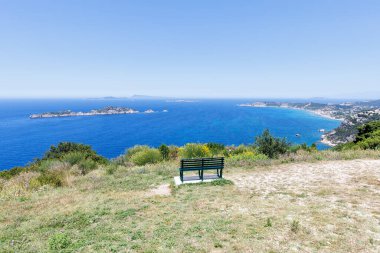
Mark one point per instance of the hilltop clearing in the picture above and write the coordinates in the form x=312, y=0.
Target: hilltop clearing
x=326, y=206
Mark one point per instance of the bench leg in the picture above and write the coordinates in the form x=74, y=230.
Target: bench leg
x=202, y=175
x=221, y=173
x=199, y=174
x=181, y=175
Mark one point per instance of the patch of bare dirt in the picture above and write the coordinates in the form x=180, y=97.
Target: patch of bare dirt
x=162, y=190
x=312, y=177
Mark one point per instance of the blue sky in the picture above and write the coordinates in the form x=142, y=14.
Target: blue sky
x=197, y=48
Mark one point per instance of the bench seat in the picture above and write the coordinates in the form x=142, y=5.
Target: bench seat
x=202, y=164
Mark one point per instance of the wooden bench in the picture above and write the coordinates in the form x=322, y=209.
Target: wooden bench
x=202, y=164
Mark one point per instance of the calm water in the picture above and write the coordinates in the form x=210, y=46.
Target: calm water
x=22, y=139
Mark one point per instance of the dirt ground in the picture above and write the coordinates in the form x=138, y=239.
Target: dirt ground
x=347, y=193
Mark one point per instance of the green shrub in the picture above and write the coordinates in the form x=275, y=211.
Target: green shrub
x=59, y=241
x=73, y=157
x=120, y=160
x=215, y=148
x=147, y=156
x=271, y=146
x=268, y=223
x=64, y=148
x=367, y=137
x=7, y=174
x=303, y=146
x=240, y=149
x=52, y=178
x=111, y=168
x=138, y=148
x=295, y=227
x=194, y=150
x=86, y=166
x=248, y=156
x=164, y=150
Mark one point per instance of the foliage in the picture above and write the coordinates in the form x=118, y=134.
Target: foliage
x=303, y=146
x=271, y=146
x=195, y=150
x=86, y=166
x=295, y=227
x=74, y=157
x=165, y=151
x=53, y=178
x=7, y=174
x=64, y=148
x=367, y=137
x=215, y=148
x=268, y=223
x=59, y=241
x=248, y=156
x=47, y=179
x=111, y=168
x=138, y=148
x=240, y=149
x=146, y=156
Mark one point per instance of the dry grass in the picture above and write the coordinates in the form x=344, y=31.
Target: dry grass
x=297, y=207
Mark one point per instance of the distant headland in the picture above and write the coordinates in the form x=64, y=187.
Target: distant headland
x=110, y=110
x=351, y=114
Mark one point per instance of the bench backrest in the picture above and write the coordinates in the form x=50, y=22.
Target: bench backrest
x=217, y=162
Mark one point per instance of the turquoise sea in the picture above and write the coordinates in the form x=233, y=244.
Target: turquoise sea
x=23, y=139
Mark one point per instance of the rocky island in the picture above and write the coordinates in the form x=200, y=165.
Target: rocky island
x=352, y=115
x=110, y=110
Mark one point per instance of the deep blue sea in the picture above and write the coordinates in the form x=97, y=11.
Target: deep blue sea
x=23, y=139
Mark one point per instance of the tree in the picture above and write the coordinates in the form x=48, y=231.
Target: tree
x=164, y=150
x=64, y=148
x=271, y=146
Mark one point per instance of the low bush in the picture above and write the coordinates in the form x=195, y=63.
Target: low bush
x=271, y=146
x=52, y=179
x=111, y=168
x=304, y=146
x=7, y=174
x=248, y=156
x=295, y=226
x=135, y=149
x=164, y=150
x=240, y=149
x=367, y=137
x=194, y=150
x=146, y=156
x=73, y=157
x=55, y=174
x=18, y=185
x=215, y=148
x=86, y=166
x=63, y=148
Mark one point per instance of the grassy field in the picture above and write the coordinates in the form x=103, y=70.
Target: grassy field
x=304, y=203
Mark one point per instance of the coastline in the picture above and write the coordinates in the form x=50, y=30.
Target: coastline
x=319, y=113
x=327, y=142
x=324, y=139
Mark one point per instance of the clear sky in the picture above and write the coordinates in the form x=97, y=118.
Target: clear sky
x=195, y=48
